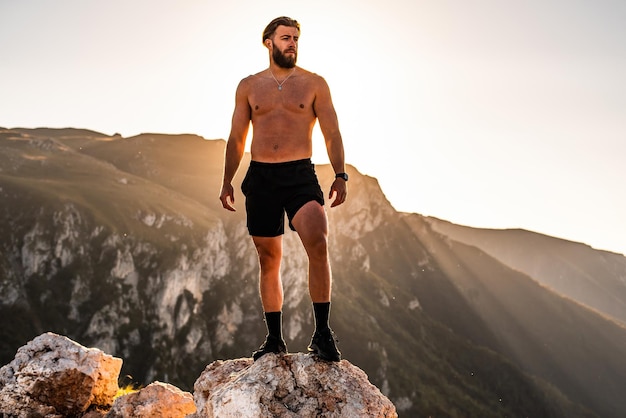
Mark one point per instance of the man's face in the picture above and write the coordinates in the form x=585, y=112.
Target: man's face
x=285, y=46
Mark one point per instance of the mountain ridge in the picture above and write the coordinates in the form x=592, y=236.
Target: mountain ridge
x=169, y=281
x=555, y=263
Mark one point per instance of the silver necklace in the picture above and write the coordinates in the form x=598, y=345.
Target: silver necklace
x=280, y=85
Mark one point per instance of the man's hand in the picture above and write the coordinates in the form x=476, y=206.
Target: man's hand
x=340, y=190
x=227, y=197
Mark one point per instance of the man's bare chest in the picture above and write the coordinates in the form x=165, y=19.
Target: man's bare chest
x=295, y=99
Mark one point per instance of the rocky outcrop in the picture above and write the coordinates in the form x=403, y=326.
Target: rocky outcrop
x=288, y=386
x=52, y=376
x=155, y=400
x=55, y=377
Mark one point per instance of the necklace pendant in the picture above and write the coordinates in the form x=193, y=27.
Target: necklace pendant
x=280, y=85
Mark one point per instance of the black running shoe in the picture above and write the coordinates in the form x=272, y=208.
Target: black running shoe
x=271, y=345
x=323, y=345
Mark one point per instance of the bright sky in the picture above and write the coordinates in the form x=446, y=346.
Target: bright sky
x=486, y=113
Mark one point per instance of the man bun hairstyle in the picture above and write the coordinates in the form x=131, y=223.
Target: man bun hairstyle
x=279, y=21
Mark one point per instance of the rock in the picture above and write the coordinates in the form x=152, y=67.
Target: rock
x=293, y=385
x=53, y=376
x=158, y=399
x=94, y=414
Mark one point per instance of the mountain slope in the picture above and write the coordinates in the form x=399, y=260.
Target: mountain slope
x=551, y=336
x=594, y=278
x=121, y=243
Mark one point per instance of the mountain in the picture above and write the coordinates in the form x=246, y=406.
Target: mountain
x=122, y=244
x=569, y=268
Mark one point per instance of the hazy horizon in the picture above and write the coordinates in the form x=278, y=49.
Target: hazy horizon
x=486, y=114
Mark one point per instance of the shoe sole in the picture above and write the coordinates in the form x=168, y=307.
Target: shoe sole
x=255, y=357
x=314, y=349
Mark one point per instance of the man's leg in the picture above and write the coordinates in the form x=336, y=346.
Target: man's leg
x=269, y=250
x=312, y=226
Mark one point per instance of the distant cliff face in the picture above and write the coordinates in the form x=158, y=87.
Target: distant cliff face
x=121, y=244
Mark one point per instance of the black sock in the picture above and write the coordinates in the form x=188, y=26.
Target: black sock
x=273, y=320
x=321, y=311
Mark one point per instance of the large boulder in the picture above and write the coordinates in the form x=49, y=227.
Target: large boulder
x=53, y=376
x=281, y=386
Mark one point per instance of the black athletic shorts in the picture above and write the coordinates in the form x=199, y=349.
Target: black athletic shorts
x=273, y=189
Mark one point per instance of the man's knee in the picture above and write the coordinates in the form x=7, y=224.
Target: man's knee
x=317, y=248
x=269, y=253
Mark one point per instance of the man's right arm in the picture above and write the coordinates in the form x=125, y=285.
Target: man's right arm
x=236, y=144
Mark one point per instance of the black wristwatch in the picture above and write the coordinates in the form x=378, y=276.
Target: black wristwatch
x=343, y=176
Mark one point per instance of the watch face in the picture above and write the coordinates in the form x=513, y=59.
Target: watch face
x=342, y=176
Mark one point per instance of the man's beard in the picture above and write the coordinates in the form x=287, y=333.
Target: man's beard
x=282, y=60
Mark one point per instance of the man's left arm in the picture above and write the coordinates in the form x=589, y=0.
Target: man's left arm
x=329, y=125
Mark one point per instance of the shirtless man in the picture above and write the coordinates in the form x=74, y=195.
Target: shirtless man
x=282, y=103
